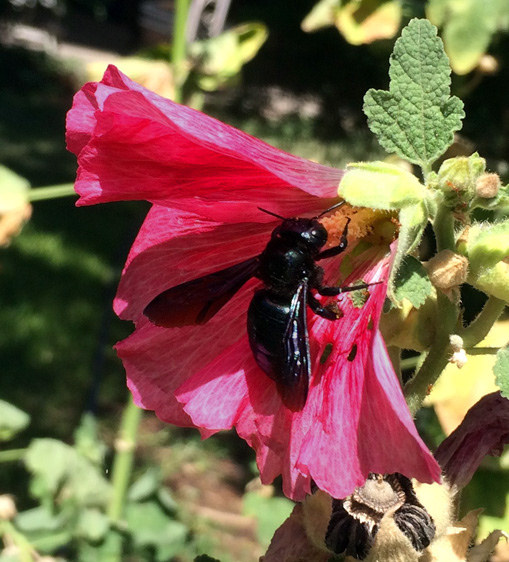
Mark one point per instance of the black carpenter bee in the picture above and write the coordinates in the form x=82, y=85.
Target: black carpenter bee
x=276, y=318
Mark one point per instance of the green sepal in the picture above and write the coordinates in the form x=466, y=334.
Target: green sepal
x=413, y=220
x=417, y=117
x=487, y=249
x=378, y=185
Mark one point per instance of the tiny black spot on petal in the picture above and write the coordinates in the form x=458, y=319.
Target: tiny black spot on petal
x=326, y=352
x=353, y=352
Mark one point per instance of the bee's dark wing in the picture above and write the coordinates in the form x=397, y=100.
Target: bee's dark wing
x=197, y=301
x=296, y=372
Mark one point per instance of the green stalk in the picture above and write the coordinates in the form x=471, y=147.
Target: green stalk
x=179, y=46
x=443, y=225
x=125, y=445
x=416, y=389
x=482, y=350
x=12, y=455
x=437, y=358
x=426, y=169
x=51, y=192
x=479, y=328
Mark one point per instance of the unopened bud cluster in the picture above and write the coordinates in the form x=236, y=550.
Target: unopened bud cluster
x=457, y=180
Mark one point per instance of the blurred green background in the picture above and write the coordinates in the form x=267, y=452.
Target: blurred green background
x=302, y=92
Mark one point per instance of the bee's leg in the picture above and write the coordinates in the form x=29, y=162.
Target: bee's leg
x=330, y=311
x=341, y=247
x=333, y=291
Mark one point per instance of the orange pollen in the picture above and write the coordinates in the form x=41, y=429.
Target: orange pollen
x=362, y=223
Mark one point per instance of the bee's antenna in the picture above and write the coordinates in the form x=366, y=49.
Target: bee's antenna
x=271, y=213
x=335, y=206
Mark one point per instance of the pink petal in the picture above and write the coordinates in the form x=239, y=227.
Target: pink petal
x=172, y=248
x=158, y=360
x=384, y=412
x=207, y=180
x=183, y=157
x=355, y=418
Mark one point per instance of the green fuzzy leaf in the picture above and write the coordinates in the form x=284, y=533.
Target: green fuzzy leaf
x=379, y=185
x=87, y=442
x=412, y=282
x=150, y=525
x=12, y=420
x=417, y=117
x=44, y=530
x=38, y=519
x=92, y=525
x=145, y=486
x=59, y=469
x=501, y=371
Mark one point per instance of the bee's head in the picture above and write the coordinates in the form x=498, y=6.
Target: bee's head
x=308, y=232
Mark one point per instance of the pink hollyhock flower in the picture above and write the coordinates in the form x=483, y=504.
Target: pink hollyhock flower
x=206, y=180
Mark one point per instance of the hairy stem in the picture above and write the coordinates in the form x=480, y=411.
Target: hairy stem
x=479, y=328
x=438, y=355
x=443, y=225
x=416, y=389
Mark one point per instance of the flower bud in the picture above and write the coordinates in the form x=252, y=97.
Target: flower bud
x=447, y=270
x=457, y=179
x=15, y=209
x=378, y=185
x=487, y=248
x=487, y=186
x=7, y=508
